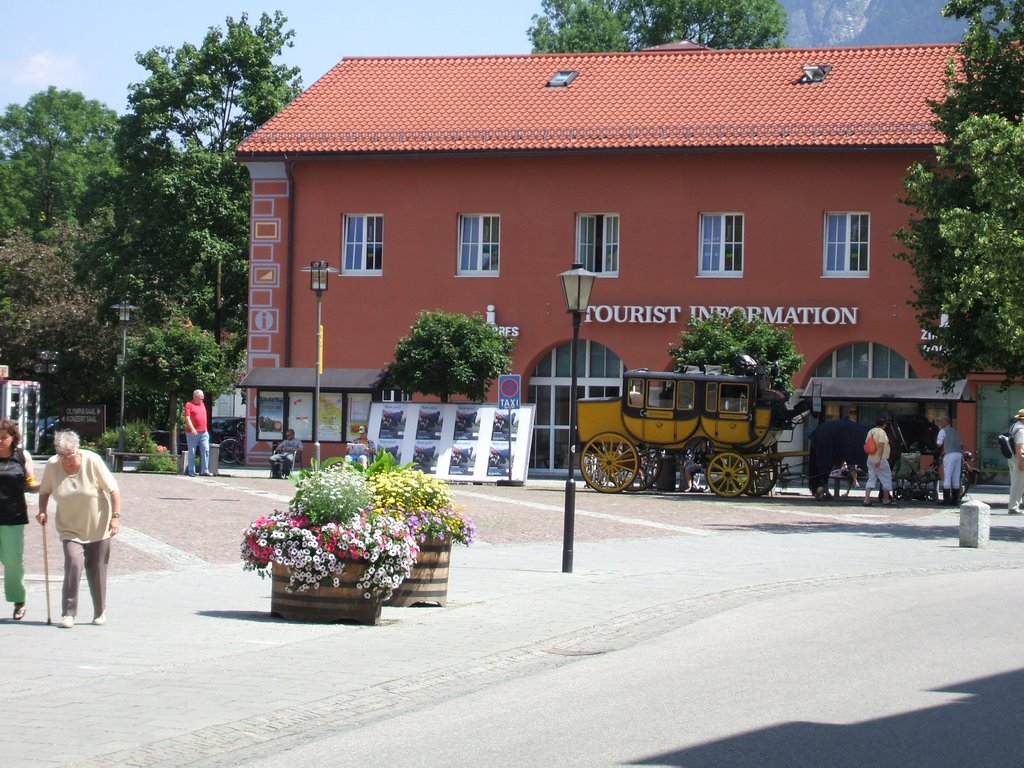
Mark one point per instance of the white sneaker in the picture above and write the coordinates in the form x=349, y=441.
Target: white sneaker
x=101, y=619
x=66, y=622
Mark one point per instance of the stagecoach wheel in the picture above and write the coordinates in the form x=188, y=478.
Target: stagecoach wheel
x=764, y=472
x=728, y=474
x=609, y=463
x=647, y=470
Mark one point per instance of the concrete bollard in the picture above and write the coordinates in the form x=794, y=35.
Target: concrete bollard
x=974, y=524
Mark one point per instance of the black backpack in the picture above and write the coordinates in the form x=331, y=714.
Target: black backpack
x=1006, y=446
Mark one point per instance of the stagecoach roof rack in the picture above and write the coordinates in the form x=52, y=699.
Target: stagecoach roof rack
x=712, y=369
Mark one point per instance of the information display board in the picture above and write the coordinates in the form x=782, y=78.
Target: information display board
x=456, y=441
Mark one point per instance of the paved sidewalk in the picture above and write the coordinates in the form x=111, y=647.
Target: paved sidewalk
x=192, y=670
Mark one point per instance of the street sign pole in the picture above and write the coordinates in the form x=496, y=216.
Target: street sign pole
x=510, y=398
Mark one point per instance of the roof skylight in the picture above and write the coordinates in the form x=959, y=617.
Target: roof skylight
x=562, y=78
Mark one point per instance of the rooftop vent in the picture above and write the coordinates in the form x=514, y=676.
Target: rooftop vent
x=562, y=78
x=815, y=73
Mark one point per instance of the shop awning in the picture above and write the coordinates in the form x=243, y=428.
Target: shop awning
x=344, y=379
x=886, y=390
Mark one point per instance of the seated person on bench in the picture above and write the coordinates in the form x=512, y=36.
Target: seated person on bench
x=283, y=460
x=362, y=449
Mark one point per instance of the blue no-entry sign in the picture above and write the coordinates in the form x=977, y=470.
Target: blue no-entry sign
x=509, y=391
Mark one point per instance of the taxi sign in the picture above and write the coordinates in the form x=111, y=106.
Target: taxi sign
x=509, y=391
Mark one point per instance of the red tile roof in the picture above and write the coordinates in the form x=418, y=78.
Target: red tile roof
x=654, y=99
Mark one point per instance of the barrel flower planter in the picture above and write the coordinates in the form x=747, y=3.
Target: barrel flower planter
x=428, y=582
x=318, y=553
x=326, y=603
x=426, y=504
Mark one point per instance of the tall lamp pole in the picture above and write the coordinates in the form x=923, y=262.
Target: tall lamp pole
x=318, y=271
x=124, y=314
x=576, y=284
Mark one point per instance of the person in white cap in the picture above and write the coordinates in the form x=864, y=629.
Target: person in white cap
x=1016, y=464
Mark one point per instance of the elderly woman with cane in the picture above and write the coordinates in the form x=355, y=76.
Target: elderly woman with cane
x=88, y=515
x=15, y=478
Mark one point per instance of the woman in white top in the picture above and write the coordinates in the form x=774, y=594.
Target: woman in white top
x=88, y=515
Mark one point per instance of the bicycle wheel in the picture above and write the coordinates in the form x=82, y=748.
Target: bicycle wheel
x=230, y=451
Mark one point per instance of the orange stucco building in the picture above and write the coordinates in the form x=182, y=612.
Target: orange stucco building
x=692, y=181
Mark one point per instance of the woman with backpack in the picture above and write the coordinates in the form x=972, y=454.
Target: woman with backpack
x=877, y=449
x=16, y=477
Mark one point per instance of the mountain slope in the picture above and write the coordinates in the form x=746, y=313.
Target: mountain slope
x=814, y=23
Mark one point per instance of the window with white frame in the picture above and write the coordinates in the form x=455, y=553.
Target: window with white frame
x=846, y=244
x=597, y=242
x=721, y=244
x=364, y=244
x=479, y=239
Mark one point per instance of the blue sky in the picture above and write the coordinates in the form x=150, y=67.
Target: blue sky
x=90, y=45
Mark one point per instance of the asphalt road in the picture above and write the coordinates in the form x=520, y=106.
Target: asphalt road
x=693, y=631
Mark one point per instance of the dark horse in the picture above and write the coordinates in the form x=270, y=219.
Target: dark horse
x=839, y=440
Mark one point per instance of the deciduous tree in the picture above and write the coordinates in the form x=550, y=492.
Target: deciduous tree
x=719, y=339
x=172, y=360
x=179, y=233
x=964, y=238
x=448, y=353
x=577, y=26
x=45, y=308
x=54, y=153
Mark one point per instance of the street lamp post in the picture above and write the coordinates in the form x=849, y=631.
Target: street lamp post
x=124, y=314
x=576, y=284
x=46, y=365
x=318, y=271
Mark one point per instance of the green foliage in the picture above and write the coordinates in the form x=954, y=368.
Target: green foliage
x=44, y=307
x=964, y=237
x=159, y=464
x=56, y=150
x=382, y=463
x=177, y=357
x=178, y=235
x=138, y=438
x=719, y=339
x=576, y=26
x=448, y=353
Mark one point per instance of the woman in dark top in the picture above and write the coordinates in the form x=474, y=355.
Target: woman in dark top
x=15, y=478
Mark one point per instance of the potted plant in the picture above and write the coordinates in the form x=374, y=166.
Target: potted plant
x=332, y=555
x=426, y=505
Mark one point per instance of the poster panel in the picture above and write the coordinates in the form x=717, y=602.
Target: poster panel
x=300, y=414
x=387, y=421
x=270, y=418
x=358, y=414
x=330, y=417
x=474, y=442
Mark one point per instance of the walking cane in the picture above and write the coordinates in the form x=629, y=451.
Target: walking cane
x=46, y=576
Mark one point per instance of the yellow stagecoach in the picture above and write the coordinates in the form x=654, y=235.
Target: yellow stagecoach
x=625, y=438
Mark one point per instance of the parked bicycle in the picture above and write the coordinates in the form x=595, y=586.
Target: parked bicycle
x=232, y=451
x=910, y=482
